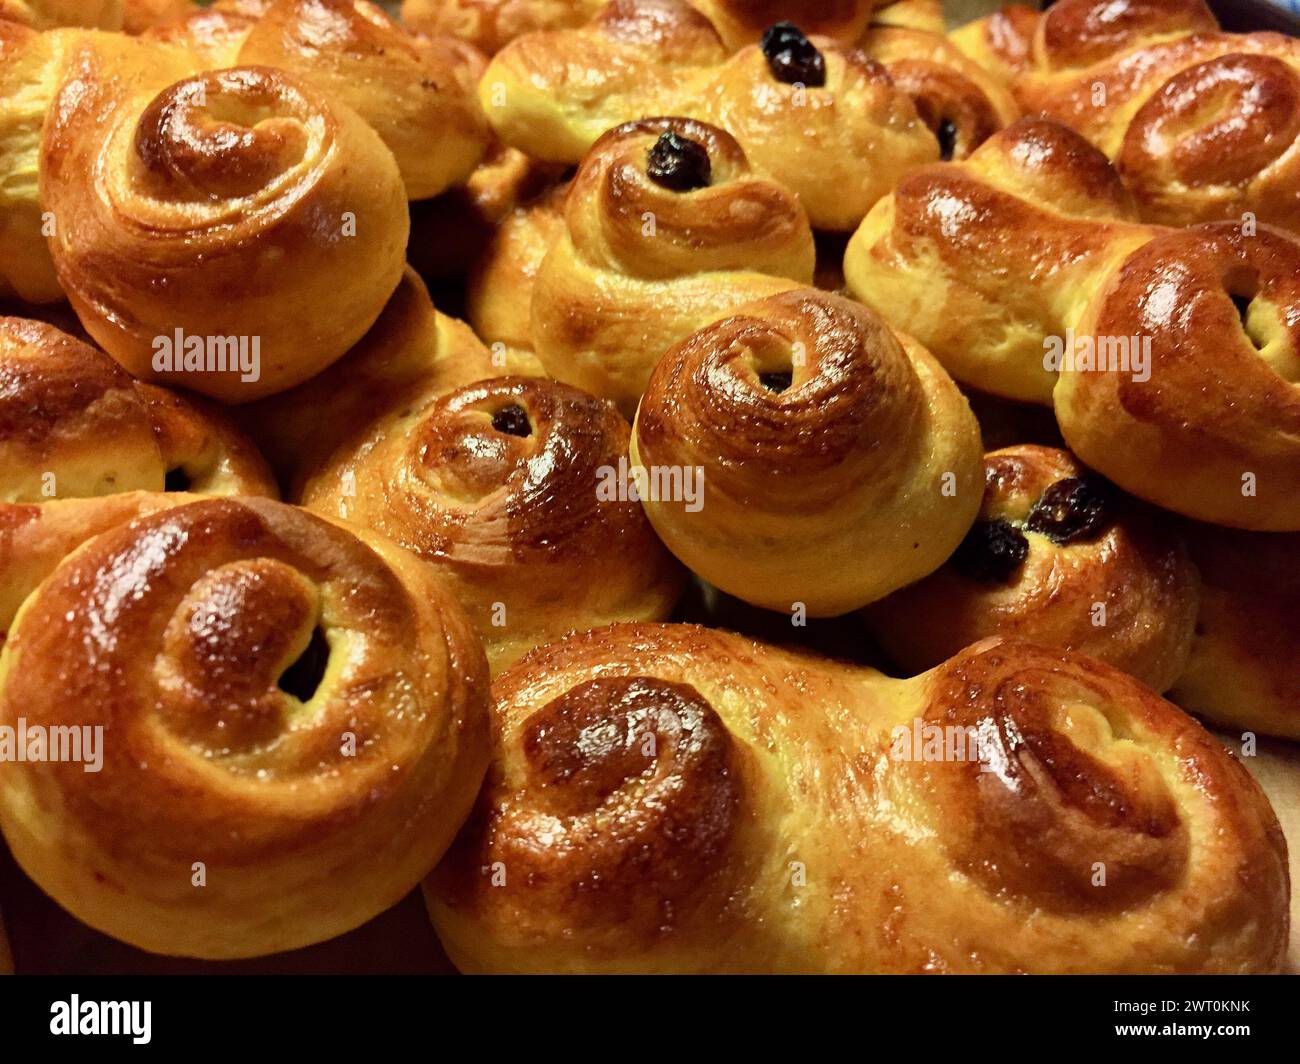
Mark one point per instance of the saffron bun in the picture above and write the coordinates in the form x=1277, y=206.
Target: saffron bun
x=499, y=290
x=417, y=92
x=838, y=462
x=985, y=260
x=499, y=485
x=1060, y=558
x=642, y=265
x=1218, y=306
x=1134, y=78
x=51, y=14
x=490, y=25
x=178, y=211
x=721, y=828
x=238, y=811
x=412, y=350
x=1241, y=671
x=819, y=116
x=74, y=423
x=961, y=103
x=33, y=67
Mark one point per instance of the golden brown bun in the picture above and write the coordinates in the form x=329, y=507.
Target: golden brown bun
x=139, y=16
x=74, y=423
x=301, y=819
x=984, y=260
x=416, y=92
x=499, y=291
x=50, y=14
x=492, y=24
x=642, y=265
x=1057, y=557
x=1002, y=43
x=1214, y=434
x=839, y=134
x=721, y=825
x=1242, y=669
x=179, y=211
x=497, y=483
x=962, y=104
x=214, y=35
x=1202, y=125
x=858, y=476
x=412, y=350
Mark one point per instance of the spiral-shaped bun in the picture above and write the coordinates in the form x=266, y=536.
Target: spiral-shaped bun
x=984, y=261
x=1059, y=557
x=177, y=213
x=821, y=117
x=831, y=463
x=661, y=800
x=962, y=104
x=666, y=229
x=500, y=484
x=292, y=728
x=492, y=24
x=1241, y=672
x=74, y=423
x=1212, y=305
x=416, y=92
x=1202, y=125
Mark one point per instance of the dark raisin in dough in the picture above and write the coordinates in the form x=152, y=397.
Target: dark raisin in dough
x=1072, y=509
x=792, y=57
x=991, y=552
x=678, y=163
x=947, y=134
x=512, y=420
x=776, y=382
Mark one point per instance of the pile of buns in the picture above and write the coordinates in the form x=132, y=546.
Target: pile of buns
x=375, y=390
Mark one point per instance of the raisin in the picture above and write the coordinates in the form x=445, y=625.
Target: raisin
x=1072, y=509
x=792, y=57
x=991, y=552
x=678, y=163
x=512, y=420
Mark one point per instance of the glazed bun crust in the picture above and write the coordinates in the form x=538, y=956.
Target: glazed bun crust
x=1101, y=575
x=1216, y=305
x=498, y=484
x=74, y=423
x=178, y=209
x=717, y=827
x=859, y=476
x=1241, y=671
x=310, y=812
x=616, y=291
x=984, y=260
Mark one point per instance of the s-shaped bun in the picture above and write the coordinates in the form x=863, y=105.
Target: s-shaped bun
x=292, y=724
x=234, y=206
x=74, y=423
x=833, y=462
x=673, y=799
x=1060, y=557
